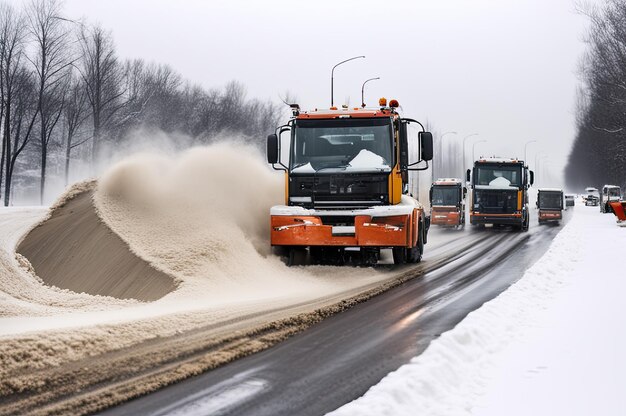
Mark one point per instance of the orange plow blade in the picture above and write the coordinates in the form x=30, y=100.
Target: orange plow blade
x=619, y=209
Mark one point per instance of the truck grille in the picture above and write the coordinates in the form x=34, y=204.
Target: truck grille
x=495, y=201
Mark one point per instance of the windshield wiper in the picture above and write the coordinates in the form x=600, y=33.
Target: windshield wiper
x=296, y=166
x=342, y=167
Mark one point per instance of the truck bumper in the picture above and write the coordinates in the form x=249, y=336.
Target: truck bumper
x=445, y=218
x=501, y=219
x=380, y=226
x=396, y=231
x=550, y=215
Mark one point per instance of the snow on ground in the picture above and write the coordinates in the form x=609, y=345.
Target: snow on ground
x=202, y=218
x=552, y=344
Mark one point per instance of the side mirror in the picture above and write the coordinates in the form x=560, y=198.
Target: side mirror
x=468, y=175
x=426, y=144
x=272, y=149
x=430, y=195
x=404, y=148
x=532, y=177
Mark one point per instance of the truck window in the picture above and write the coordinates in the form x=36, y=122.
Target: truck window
x=487, y=174
x=549, y=200
x=445, y=195
x=357, y=144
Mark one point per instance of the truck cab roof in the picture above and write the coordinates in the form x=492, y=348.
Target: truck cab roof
x=347, y=113
x=447, y=181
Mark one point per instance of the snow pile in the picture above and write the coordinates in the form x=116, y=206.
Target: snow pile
x=478, y=367
x=367, y=160
x=22, y=293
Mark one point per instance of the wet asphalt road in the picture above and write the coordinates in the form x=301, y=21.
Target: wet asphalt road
x=337, y=360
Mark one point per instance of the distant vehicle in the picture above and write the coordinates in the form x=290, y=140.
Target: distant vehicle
x=570, y=200
x=550, y=205
x=500, y=192
x=591, y=199
x=447, y=200
x=610, y=193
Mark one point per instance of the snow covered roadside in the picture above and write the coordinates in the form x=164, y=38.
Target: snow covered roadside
x=551, y=344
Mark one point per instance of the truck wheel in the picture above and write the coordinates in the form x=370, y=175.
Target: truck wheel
x=297, y=256
x=399, y=255
x=414, y=254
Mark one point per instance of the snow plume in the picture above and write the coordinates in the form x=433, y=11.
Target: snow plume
x=203, y=209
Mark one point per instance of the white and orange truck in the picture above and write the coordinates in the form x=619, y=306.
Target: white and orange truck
x=499, y=192
x=346, y=185
x=549, y=205
x=447, y=202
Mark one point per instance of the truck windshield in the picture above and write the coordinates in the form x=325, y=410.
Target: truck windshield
x=342, y=144
x=614, y=191
x=550, y=200
x=445, y=195
x=498, y=176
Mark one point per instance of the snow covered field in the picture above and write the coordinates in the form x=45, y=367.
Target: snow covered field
x=552, y=344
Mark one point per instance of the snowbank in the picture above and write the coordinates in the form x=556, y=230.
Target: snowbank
x=74, y=250
x=551, y=344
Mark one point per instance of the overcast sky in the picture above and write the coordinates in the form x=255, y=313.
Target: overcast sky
x=505, y=69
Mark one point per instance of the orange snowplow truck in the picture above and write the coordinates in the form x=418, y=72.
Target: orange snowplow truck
x=499, y=192
x=346, y=185
x=447, y=201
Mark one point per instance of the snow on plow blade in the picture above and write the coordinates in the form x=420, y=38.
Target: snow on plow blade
x=619, y=209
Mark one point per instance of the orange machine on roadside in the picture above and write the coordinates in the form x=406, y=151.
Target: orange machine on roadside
x=447, y=201
x=619, y=209
x=346, y=185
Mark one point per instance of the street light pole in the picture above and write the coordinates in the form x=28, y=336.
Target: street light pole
x=363, y=91
x=474, y=146
x=525, y=146
x=538, y=158
x=332, y=78
x=441, y=147
x=464, y=139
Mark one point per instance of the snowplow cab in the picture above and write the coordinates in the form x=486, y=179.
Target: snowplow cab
x=447, y=201
x=550, y=205
x=610, y=193
x=346, y=185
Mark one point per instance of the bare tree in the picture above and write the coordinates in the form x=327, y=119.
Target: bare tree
x=51, y=61
x=599, y=149
x=102, y=77
x=75, y=113
x=17, y=93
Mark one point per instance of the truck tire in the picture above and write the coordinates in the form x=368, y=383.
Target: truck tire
x=399, y=255
x=414, y=254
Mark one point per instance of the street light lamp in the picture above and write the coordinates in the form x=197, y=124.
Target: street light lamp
x=464, y=139
x=363, y=90
x=332, y=77
x=525, y=146
x=474, y=146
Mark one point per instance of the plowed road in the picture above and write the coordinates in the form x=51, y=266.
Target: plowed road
x=337, y=360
